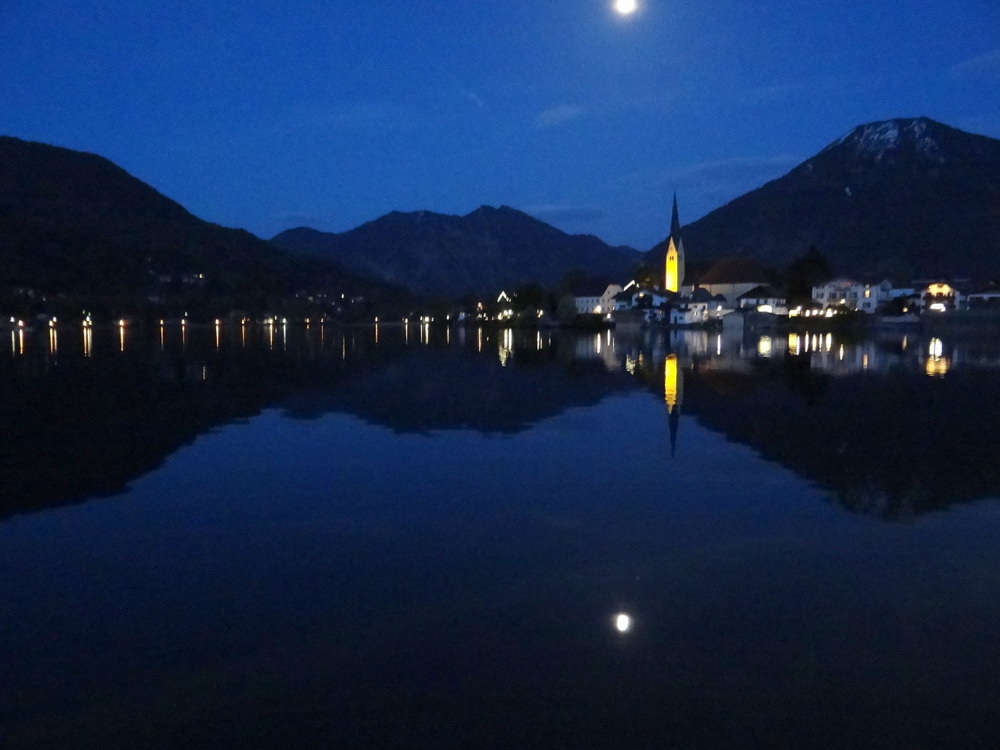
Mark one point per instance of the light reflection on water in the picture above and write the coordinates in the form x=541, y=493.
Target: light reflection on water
x=516, y=538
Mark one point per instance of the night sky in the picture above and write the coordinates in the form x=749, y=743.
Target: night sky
x=267, y=115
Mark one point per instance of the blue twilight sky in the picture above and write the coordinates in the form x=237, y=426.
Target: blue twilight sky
x=269, y=114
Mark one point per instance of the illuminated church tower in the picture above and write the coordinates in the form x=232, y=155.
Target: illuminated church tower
x=674, y=266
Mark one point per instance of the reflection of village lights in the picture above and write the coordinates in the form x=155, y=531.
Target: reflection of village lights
x=829, y=342
x=794, y=343
x=623, y=623
x=937, y=364
x=937, y=368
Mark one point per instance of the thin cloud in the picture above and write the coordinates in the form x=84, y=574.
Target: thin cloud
x=728, y=170
x=554, y=116
x=568, y=213
x=473, y=97
x=979, y=65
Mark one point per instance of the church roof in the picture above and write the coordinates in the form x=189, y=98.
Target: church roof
x=734, y=270
x=762, y=292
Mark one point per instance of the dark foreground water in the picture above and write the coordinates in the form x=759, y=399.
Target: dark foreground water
x=424, y=539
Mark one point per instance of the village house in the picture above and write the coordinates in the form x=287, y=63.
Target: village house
x=862, y=296
x=763, y=298
x=597, y=299
x=940, y=296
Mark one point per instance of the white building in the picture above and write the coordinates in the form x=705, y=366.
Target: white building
x=855, y=295
x=597, y=302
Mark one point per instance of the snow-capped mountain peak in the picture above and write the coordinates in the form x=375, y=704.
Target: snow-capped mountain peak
x=876, y=139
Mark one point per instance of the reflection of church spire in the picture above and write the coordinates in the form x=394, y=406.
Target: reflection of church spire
x=674, y=261
x=673, y=393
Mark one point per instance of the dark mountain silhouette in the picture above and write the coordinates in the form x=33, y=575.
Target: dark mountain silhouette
x=73, y=222
x=482, y=252
x=905, y=198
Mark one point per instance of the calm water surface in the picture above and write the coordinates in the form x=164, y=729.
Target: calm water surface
x=424, y=538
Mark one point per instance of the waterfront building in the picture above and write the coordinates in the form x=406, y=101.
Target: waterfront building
x=862, y=296
x=597, y=299
x=763, y=297
x=941, y=296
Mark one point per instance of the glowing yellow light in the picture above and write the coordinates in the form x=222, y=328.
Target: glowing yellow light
x=623, y=623
x=764, y=346
x=672, y=382
x=794, y=343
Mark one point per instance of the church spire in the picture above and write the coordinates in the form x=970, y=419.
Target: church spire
x=675, y=222
x=673, y=275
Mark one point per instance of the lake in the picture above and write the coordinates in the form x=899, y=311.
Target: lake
x=421, y=537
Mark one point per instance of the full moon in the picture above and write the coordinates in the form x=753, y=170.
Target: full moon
x=625, y=7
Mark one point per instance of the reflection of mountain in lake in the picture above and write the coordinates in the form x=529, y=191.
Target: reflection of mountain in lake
x=893, y=428
x=460, y=388
x=910, y=438
x=72, y=427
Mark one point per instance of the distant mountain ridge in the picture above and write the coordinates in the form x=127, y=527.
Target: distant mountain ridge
x=900, y=198
x=482, y=252
x=73, y=222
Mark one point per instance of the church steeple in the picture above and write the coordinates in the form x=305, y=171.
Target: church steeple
x=674, y=262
